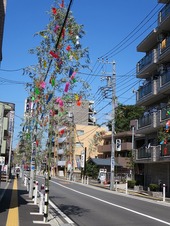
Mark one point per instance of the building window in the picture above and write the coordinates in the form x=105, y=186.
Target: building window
x=79, y=144
x=78, y=162
x=163, y=44
x=80, y=132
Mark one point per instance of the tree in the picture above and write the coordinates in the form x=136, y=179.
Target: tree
x=91, y=169
x=123, y=115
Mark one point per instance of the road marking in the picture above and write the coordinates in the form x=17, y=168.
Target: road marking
x=61, y=213
x=12, y=219
x=112, y=204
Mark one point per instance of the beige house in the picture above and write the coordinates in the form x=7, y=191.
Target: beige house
x=86, y=138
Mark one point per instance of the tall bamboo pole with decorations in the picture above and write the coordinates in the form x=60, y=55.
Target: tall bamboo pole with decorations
x=55, y=77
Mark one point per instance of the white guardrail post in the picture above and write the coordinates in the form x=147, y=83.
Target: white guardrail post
x=36, y=192
x=163, y=192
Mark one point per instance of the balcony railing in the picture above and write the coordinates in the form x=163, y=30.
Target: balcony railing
x=145, y=90
x=144, y=152
x=152, y=154
x=144, y=121
x=164, y=114
x=164, y=13
x=104, y=148
x=150, y=58
x=165, y=78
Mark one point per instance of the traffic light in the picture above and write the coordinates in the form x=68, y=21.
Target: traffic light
x=118, y=144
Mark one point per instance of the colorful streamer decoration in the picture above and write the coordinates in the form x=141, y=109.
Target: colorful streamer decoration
x=54, y=11
x=52, y=81
x=53, y=54
x=71, y=72
x=56, y=28
x=68, y=48
x=62, y=4
x=49, y=98
x=42, y=84
x=67, y=87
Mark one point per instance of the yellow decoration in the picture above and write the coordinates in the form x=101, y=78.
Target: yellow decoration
x=45, y=64
x=76, y=97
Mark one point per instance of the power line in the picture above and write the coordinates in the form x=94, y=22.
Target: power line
x=130, y=34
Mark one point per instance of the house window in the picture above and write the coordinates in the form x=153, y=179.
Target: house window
x=80, y=132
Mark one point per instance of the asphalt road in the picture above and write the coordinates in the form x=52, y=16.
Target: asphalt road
x=90, y=206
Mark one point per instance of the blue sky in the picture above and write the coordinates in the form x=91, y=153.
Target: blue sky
x=106, y=24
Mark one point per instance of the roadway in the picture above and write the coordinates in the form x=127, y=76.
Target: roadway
x=92, y=206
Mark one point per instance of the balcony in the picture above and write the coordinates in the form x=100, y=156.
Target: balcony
x=60, y=151
x=146, y=155
x=61, y=163
x=147, y=64
x=104, y=148
x=146, y=93
x=125, y=146
x=149, y=42
x=147, y=123
x=164, y=16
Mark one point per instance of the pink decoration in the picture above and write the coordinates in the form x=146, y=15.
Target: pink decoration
x=42, y=84
x=56, y=28
x=58, y=100
x=61, y=103
x=73, y=75
x=67, y=87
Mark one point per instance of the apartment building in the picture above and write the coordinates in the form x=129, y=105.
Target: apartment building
x=153, y=162
x=74, y=137
x=83, y=114
x=7, y=111
x=124, y=145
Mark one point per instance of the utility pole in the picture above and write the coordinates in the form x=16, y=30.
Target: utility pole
x=113, y=127
x=111, y=87
x=132, y=159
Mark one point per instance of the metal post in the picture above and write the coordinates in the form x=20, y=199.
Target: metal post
x=46, y=204
x=163, y=192
x=126, y=187
x=41, y=204
x=36, y=192
x=113, y=83
x=33, y=193
x=116, y=186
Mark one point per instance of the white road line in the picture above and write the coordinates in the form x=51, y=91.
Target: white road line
x=112, y=204
x=61, y=213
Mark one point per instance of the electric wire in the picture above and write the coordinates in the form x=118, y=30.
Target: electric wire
x=130, y=34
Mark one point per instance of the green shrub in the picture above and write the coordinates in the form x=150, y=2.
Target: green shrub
x=154, y=187
x=131, y=183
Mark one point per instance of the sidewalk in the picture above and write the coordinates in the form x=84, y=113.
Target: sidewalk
x=27, y=213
